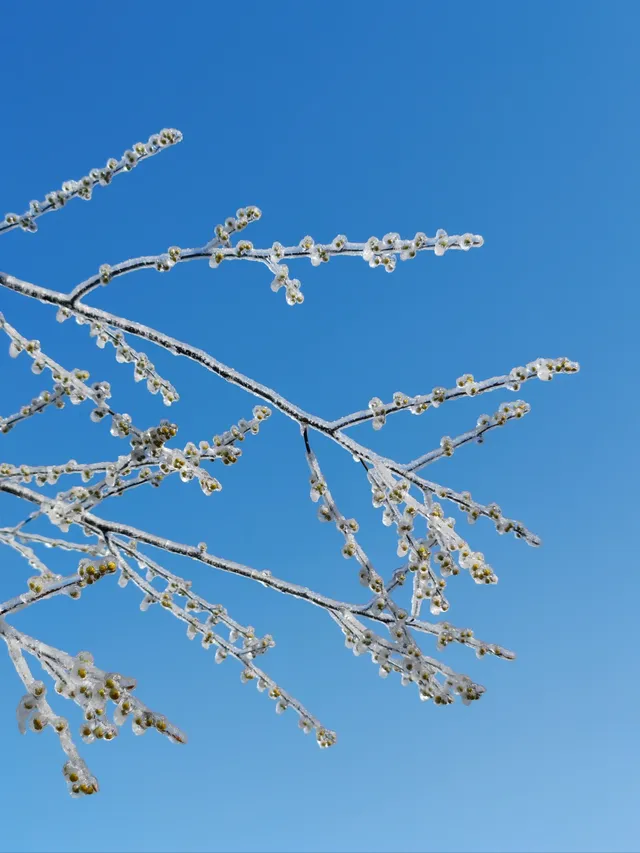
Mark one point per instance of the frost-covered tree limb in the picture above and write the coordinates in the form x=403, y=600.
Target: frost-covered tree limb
x=433, y=552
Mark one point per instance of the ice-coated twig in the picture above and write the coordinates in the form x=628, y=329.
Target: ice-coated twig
x=466, y=386
x=96, y=177
x=506, y=412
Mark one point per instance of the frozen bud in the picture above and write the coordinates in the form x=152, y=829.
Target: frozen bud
x=62, y=314
x=408, y=250
x=277, y=251
x=442, y=242
x=447, y=445
x=281, y=278
x=376, y=407
x=243, y=247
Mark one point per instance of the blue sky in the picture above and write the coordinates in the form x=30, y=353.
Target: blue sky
x=509, y=120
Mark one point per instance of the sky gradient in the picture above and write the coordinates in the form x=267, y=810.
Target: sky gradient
x=513, y=121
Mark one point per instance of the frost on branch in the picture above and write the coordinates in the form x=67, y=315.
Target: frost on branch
x=432, y=552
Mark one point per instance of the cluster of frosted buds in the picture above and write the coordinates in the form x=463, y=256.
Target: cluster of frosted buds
x=467, y=383
x=391, y=496
x=92, y=689
x=91, y=571
x=318, y=254
x=167, y=261
x=324, y=737
x=39, y=583
x=188, y=467
x=84, y=187
x=379, y=253
x=425, y=587
x=506, y=412
x=120, y=426
x=32, y=711
x=291, y=285
x=451, y=542
x=26, y=473
x=465, y=242
x=26, y=221
x=148, y=445
x=222, y=444
x=384, y=252
x=243, y=217
x=543, y=368
x=376, y=407
x=438, y=396
x=79, y=780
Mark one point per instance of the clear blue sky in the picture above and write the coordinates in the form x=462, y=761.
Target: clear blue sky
x=512, y=120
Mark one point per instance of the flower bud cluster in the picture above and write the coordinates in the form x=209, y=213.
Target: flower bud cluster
x=79, y=781
x=243, y=217
x=543, y=368
x=468, y=384
x=376, y=407
x=451, y=543
x=292, y=286
x=92, y=689
x=222, y=446
x=384, y=252
x=90, y=571
x=84, y=187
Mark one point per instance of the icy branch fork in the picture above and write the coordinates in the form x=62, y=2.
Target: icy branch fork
x=427, y=542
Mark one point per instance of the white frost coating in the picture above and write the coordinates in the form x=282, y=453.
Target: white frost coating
x=431, y=550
